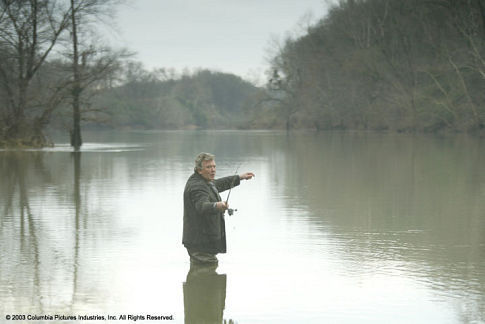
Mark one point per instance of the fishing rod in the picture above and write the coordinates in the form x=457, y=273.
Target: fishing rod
x=231, y=211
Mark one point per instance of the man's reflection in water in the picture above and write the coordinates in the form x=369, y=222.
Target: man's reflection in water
x=204, y=294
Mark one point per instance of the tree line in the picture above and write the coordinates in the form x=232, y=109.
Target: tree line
x=416, y=65
x=54, y=74
x=167, y=99
x=384, y=65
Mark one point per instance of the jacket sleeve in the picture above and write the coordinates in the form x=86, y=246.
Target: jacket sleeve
x=226, y=183
x=199, y=195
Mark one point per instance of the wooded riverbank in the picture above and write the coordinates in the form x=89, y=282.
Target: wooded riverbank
x=380, y=65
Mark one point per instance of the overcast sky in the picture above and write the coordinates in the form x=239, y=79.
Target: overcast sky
x=224, y=35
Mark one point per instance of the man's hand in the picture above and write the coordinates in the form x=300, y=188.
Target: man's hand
x=247, y=176
x=222, y=205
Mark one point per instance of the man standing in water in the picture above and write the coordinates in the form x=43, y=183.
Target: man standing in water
x=204, y=232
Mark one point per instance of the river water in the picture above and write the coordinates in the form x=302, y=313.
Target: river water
x=335, y=228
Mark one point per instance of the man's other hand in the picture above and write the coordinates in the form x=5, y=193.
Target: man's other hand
x=222, y=205
x=247, y=176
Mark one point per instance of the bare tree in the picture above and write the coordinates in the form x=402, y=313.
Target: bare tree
x=90, y=64
x=387, y=64
x=29, y=30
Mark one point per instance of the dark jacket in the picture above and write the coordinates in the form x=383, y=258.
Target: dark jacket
x=204, y=227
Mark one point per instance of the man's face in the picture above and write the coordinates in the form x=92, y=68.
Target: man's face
x=208, y=171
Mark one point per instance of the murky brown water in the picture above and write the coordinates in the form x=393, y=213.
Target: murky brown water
x=336, y=228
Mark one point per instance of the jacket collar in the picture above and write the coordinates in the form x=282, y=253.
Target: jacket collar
x=197, y=174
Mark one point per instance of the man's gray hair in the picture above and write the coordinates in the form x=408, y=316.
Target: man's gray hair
x=201, y=158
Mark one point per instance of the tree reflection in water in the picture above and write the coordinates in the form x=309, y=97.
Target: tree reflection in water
x=77, y=203
x=86, y=233
x=17, y=216
x=31, y=257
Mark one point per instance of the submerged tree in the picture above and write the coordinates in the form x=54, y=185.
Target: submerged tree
x=29, y=30
x=31, y=86
x=91, y=64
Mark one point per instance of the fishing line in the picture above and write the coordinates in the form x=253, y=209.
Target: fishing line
x=231, y=211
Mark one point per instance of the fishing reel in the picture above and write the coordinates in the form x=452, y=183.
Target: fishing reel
x=231, y=211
